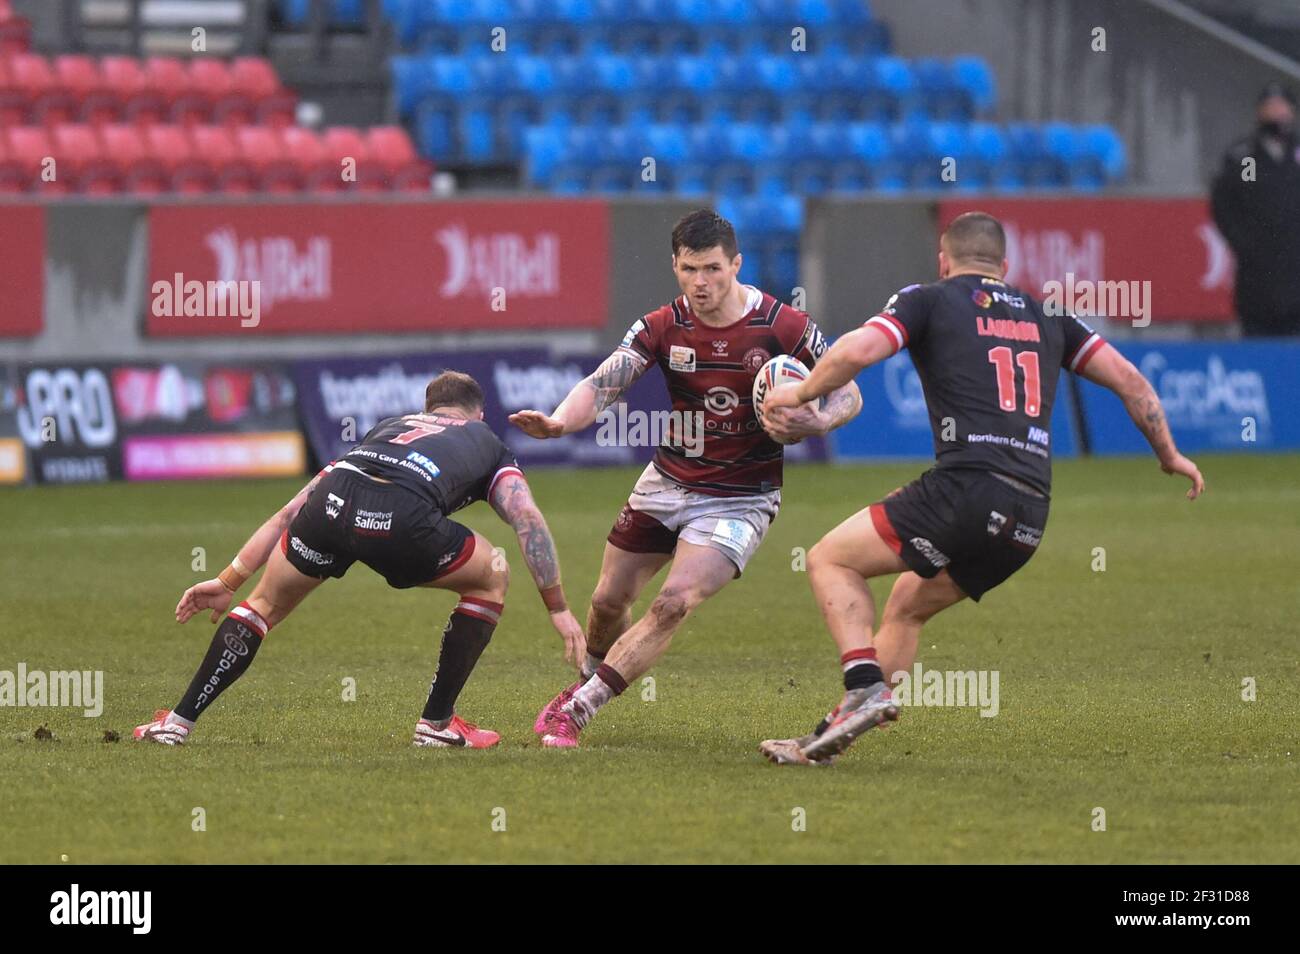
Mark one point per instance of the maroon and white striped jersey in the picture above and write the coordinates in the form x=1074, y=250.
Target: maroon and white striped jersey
x=710, y=371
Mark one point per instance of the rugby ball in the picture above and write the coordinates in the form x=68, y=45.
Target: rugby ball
x=783, y=369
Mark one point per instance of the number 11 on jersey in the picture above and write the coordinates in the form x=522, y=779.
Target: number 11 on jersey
x=1028, y=362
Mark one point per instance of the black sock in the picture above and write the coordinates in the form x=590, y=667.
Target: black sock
x=463, y=641
x=233, y=647
x=862, y=675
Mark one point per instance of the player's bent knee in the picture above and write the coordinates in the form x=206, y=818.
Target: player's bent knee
x=820, y=557
x=610, y=605
x=500, y=578
x=673, y=604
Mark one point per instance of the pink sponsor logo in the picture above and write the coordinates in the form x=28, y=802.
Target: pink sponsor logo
x=269, y=454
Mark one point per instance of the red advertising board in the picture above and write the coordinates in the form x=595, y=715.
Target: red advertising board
x=352, y=268
x=22, y=270
x=1172, y=243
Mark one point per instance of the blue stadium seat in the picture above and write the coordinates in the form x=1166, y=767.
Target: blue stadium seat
x=532, y=75
x=987, y=152
x=338, y=13
x=827, y=141
x=810, y=177
x=669, y=144
x=944, y=98
x=733, y=179
x=1103, y=146
x=692, y=179
x=695, y=75
x=434, y=133
x=851, y=12
x=411, y=81
x=867, y=141
x=812, y=12
x=975, y=78
x=544, y=150
x=850, y=176
x=476, y=130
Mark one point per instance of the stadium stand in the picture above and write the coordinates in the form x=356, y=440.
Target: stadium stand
x=595, y=97
x=594, y=88
x=162, y=124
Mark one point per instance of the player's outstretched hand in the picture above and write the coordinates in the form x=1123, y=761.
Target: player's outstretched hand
x=210, y=594
x=1181, y=465
x=536, y=424
x=575, y=640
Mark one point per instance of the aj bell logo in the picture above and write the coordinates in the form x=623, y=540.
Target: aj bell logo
x=103, y=907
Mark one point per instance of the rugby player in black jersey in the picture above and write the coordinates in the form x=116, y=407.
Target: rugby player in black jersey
x=387, y=503
x=988, y=357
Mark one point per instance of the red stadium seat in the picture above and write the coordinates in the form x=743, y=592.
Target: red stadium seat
x=81, y=78
x=344, y=143
x=138, y=169
x=13, y=179
x=262, y=149
x=171, y=146
x=255, y=79
x=15, y=31
x=126, y=83
x=318, y=172
x=212, y=79
x=168, y=76
x=31, y=148
x=15, y=107
x=217, y=147
x=391, y=147
x=31, y=75
x=78, y=151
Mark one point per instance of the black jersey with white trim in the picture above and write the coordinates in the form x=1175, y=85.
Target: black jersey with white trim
x=989, y=358
x=449, y=460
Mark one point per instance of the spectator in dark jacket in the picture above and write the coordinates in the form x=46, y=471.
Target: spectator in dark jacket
x=1256, y=204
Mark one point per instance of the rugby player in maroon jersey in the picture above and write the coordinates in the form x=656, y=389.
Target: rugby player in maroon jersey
x=387, y=504
x=705, y=509
x=988, y=357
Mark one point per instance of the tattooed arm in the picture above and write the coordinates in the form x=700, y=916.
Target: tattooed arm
x=787, y=424
x=513, y=501
x=1112, y=370
x=589, y=397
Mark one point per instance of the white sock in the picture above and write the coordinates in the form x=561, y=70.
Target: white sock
x=174, y=719
x=587, y=700
x=590, y=665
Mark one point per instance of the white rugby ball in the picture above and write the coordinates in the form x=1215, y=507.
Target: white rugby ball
x=783, y=369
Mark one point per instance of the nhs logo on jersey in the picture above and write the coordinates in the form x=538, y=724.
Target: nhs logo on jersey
x=424, y=463
x=1039, y=436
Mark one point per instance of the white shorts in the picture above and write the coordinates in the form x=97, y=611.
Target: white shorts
x=661, y=511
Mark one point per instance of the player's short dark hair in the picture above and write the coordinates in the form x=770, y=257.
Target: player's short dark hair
x=976, y=237
x=701, y=230
x=453, y=389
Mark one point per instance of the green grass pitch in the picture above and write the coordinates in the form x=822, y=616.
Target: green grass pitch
x=1119, y=689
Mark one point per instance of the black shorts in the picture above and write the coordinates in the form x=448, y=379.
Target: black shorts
x=395, y=532
x=969, y=522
